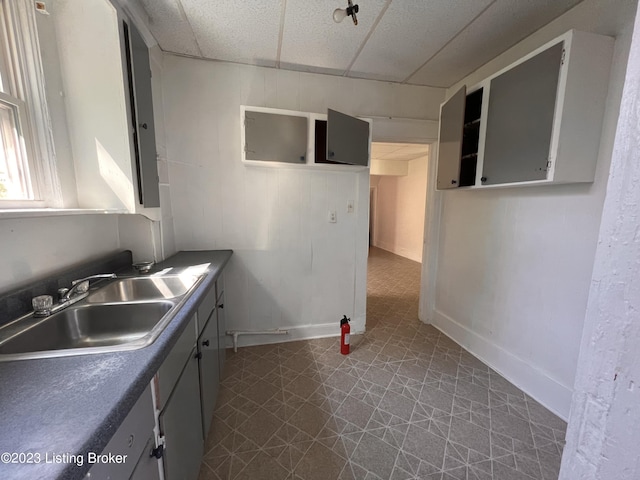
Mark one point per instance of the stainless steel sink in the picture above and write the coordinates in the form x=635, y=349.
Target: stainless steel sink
x=126, y=314
x=88, y=326
x=139, y=289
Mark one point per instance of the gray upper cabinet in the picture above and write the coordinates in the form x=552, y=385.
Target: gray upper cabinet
x=347, y=139
x=450, y=140
x=535, y=122
x=273, y=137
x=143, y=129
x=520, y=120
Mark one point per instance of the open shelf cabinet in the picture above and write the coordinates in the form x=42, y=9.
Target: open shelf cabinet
x=535, y=122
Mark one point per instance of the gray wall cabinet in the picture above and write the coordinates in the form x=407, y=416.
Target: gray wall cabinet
x=535, y=122
x=450, y=140
x=275, y=137
x=262, y=130
x=142, y=124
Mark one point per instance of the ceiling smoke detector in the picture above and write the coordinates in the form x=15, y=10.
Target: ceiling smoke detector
x=340, y=14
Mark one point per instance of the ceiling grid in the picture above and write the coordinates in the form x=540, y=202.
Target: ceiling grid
x=417, y=42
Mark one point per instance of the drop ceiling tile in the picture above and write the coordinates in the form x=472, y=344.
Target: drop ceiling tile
x=312, y=39
x=501, y=26
x=378, y=150
x=244, y=32
x=398, y=151
x=410, y=149
x=169, y=27
x=409, y=33
x=402, y=156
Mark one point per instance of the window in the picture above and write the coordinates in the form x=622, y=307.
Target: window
x=27, y=159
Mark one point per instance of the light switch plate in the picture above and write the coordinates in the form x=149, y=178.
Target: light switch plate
x=350, y=206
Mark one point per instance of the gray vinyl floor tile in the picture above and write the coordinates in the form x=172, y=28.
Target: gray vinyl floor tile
x=406, y=403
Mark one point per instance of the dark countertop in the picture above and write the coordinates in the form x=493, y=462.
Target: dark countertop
x=73, y=405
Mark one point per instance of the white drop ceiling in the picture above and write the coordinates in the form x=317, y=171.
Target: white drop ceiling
x=420, y=42
x=398, y=151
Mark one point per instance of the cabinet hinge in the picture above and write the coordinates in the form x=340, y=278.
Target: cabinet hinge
x=548, y=165
x=564, y=52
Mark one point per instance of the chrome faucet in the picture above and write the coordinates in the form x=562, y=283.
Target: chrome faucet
x=43, y=304
x=81, y=286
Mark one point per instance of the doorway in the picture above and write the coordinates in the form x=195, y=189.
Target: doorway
x=398, y=188
x=397, y=204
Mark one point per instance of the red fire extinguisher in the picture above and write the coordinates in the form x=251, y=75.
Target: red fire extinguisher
x=345, y=331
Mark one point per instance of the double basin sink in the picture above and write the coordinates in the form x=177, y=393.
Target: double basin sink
x=125, y=314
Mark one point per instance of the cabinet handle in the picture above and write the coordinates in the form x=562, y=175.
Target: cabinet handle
x=198, y=355
x=221, y=305
x=157, y=452
x=205, y=343
x=144, y=125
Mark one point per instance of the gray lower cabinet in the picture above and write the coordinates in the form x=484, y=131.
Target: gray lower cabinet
x=172, y=367
x=181, y=426
x=222, y=332
x=209, y=370
x=131, y=442
x=186, y=388
x=147, y=466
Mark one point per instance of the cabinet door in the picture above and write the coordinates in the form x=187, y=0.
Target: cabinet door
x=450, y=140
x=520, y=120
x=222, y=332
x=129, y=440
x=139, y=71
x=170, y=370
x=181, y=426
x=209, y=370
x=147, y=467
x=347, y=139
x=271, y=137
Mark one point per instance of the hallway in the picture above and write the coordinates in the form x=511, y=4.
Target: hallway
x=407, y=403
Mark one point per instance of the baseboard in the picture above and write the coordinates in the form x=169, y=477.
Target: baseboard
x=534, y=382
x=303, y=332
x=415, y=257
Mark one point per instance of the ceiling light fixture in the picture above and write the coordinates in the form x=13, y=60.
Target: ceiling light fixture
x=340, y=14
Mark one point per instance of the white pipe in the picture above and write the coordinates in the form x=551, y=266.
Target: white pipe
x=235, y=333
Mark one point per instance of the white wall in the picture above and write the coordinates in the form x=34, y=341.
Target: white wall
x=604, y=427
x=399, y=221
x=514, y=265
x=291, y=268
x=35, y=247
x=55, y=101
x=389, y=167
